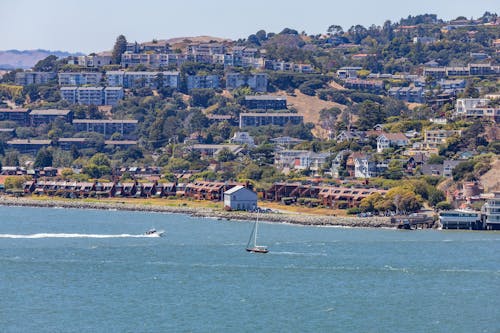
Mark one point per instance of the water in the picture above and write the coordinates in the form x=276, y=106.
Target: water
x=68, y=270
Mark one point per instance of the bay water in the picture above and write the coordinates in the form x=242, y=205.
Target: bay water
x=71, y=270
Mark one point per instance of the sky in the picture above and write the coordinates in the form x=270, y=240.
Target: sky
x=93, y=25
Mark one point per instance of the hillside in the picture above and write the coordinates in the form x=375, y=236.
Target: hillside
x=309, y=107
x=491, y=179
x=12, y=59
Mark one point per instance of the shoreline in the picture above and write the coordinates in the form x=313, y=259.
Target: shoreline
x=290, y=218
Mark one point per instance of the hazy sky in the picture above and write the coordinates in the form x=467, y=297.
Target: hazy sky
x=93, y=25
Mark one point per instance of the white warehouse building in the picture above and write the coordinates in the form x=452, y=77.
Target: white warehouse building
x=240, y=198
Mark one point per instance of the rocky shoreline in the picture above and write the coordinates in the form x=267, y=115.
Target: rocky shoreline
x=301, y=219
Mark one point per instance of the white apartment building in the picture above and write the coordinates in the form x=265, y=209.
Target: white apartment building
x=79, y=79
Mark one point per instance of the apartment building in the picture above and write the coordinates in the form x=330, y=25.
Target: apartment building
x=476, y=107
x=27, y=78
x=266, y=102
x=39, y=117
x=107, y=127
x=112, y=95
x=80, y=79
x=142, y=79
x=435, y=138
x=257, y=82
x=91, y=61
x=19, y=116
x=263, y=119
x=92, y=95
x=203, y=82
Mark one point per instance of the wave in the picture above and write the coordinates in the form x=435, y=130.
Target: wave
x=61, y=235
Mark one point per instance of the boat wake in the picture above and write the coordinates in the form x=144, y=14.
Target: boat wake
x=300, y=253
x=49, y=235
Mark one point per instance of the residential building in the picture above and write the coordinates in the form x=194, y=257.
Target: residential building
x=242, y=138
x=107, y=127
x=68, y=94
x=348, y=72
x=69, y=143
x=360, y=84
x=435, y=138
x=263, y=119
x=266, y=102
x=124, y=144
x=257, y=82
x=240, y=198
x=286, y=141
x=112, y=95
x=79, y=79
x=203, y=82
x=152, y=60
x=39, y=117
x=27, y=78
x=448, y=166
x=300, y=159
x=90, y=95
x=205, y=49
x=408, y=94
x=491, y=211
x=424, y=40
x=476, y=107
x=387, y=140
x=19, y=116
x=142, y=79
x=92, y=61
x=460, y=219
x=28, y=146
x=212, y=150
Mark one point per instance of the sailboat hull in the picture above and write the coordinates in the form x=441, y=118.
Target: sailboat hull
x=257, y=250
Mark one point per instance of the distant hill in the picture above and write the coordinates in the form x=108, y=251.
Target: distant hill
x=12, y=59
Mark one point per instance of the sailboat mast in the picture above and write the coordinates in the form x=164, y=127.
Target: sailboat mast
x=255, y=233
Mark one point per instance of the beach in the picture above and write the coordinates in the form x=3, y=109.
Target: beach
x=278, y=217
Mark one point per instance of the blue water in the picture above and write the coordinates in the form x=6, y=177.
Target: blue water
x=68, y=270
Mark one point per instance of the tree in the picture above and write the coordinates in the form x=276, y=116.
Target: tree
x=43, y=158
x=98, y=166
x=119, y=48
x=225, y=155
x=12, y=159
x=48, y=64
x=436, y=196
x=335, y=30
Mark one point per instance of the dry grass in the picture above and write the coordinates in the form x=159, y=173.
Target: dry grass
x=491, y=179
x=309, y=107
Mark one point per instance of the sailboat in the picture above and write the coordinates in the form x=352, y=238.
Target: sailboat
x=252, y=241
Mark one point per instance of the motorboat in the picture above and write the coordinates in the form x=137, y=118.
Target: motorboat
x=154, y=232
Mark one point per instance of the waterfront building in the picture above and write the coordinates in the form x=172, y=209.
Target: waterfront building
x=240, y=198
x=461, y=219
x=491, y=212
